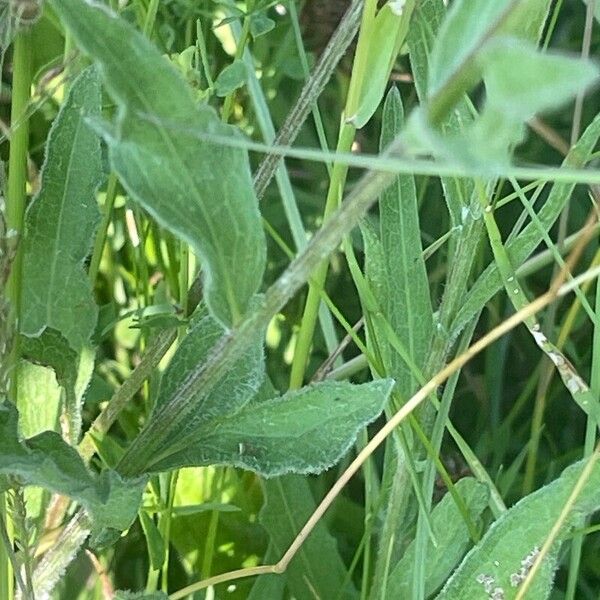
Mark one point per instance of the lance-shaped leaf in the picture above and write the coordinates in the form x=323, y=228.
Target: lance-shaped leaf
x=45, y=460
x=239, y=384
x=201, y=191
x=504, y=556
x=61, y=222
x=452, y=537
x=288, y=505
x=304, y=431
x=402, y=278
x=526, y=242
x=389, y=32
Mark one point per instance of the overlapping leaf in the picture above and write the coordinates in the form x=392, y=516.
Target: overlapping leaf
x=288, y=505
x=47, y=461
x=61, y=222
x=452, y=537
x=469, y=25
x=505, y=554
x=530, y=237
x=234, y=390
x=403, y=285
x=201, y=191
x=304, y=431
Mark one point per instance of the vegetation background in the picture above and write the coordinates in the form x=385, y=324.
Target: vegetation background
x=101, y=269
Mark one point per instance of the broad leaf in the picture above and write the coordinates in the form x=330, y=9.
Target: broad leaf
x=45, y=460
x=38, y=399
x=234, y=390
x=200, y=190
x=470, y=24
x=304, y=431
x=520, y=81
x=452, y=536
x=505, y=554
x=231, y=78
x=61, y=222
x=38, y=402
x=271, y=586
x=317, y=571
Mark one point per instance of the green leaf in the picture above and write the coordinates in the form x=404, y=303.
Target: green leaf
x=520, y=81
x=45, y=460
x=73, y=370
x=530, y=237
x=61, y=222
x=38, y=402
x=469, y=25
x=200, y=190
x=304, y=431
x=421, y=37
x=407, y=303
x=270, y=586
x=234, y=390
x=452, y=536
x=38, y=399
x=317, y=570
x=505, y=553
x=390, y=29
x=231, y=78
x=260, y=24
x=154, y=541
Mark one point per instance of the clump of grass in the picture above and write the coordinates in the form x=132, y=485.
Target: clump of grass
x=219, y=324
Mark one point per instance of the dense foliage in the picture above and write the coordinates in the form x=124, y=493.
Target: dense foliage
x=299, y=299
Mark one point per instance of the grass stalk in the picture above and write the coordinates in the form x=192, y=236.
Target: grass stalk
x=334, y=195
x=15, y=215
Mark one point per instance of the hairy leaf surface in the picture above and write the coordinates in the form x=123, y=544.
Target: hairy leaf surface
x=506, y=552
x=46, y=460
x=201, y=191
x=407, y=304
x=304, y=431
x=61, y=222
x=452, y=536
x=234, y=390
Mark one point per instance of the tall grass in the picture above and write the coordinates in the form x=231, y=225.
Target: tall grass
x=246, y=360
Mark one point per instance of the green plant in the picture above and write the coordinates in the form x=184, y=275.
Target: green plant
x=154, y=303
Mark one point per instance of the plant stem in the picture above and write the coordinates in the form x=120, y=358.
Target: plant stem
x=334, y=196
x=322, y=73
x=111, y=192
x=17, y=173
x=143, y=450
x=15, y=213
